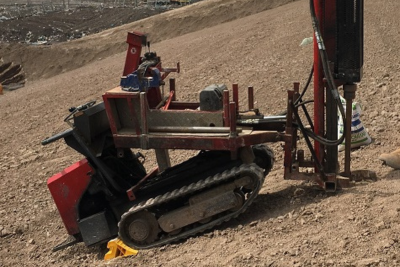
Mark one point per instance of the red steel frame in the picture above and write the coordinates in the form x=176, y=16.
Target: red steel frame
x=135, y=41
x=146, y=136
x=325, y=112
x=326, y=15
x=319, y=92
x=142, y=136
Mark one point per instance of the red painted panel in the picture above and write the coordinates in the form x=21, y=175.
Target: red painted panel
x=66, y=188
x=135, y=41
x=319, y=96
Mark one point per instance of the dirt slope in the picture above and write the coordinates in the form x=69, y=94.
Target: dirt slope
x=47, y=61
x=62, y=26
x=291, y=223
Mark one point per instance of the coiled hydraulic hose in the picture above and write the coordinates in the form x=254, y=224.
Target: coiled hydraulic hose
x=328, y=75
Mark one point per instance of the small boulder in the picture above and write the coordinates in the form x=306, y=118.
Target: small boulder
x=391, y=159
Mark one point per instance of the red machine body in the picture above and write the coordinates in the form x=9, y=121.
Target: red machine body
x=110, y=193
x=67, y=188
x=338, y=61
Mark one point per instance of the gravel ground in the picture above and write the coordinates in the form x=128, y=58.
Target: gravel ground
x=291, y=223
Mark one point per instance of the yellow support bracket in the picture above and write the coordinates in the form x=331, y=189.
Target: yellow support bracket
x=117, y=248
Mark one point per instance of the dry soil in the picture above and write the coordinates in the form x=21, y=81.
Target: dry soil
x=248, y=42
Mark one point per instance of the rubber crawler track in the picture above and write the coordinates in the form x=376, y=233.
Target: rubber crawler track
x=251, y=170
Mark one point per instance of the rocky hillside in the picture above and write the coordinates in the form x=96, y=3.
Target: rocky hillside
x=249, y=42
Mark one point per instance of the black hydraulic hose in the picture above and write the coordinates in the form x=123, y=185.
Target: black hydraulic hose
x=328, y=76
x=300, y=99
x=308, y=142
x=303, y=103
x=301, y=96
x=56, y=137
x=74, y=110
x=306, y=85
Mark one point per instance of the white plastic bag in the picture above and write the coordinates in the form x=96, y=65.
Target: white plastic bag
x=307, y=41
x=359, y=135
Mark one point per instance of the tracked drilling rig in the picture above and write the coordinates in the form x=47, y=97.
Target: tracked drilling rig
x=109, y=193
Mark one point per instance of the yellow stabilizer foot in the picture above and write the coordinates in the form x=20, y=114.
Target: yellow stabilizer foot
x=117, y=248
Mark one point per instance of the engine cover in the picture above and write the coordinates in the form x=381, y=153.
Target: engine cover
x=67, y=188
x=211, y=97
